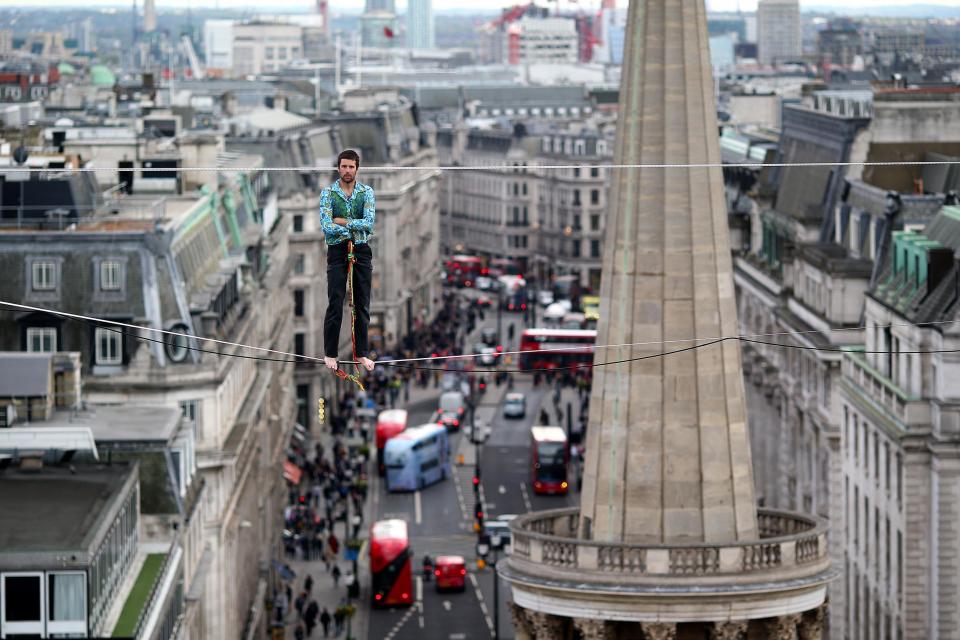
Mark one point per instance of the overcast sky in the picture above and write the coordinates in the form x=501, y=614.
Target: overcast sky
x=480, y=5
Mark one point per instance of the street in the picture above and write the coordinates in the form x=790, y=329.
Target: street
x=440, y=518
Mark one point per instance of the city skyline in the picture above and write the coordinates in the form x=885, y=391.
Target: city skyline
x=458, y=5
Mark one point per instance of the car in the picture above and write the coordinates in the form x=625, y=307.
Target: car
x=484, y=283
x=488, y=357
x=449, y=419
x=514, y=405
x=545, y=297
x=498, y=533
x=450, y=573
x=483, y=302
x=453, y=401
x=489, y=336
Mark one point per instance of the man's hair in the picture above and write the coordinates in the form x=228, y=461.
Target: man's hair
x=349, y=154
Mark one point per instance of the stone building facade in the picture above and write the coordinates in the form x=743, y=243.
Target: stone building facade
x=820, y=244
x=209, y=267
x=552, y=220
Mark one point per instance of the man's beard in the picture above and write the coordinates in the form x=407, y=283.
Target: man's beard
x=347, y=179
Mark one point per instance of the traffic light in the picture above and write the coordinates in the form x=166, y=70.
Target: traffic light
x=476, y=483
x=478, y=517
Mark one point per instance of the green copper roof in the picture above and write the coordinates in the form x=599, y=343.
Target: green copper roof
x=101, y=75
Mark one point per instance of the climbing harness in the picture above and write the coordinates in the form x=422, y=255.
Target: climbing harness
x=343, y=375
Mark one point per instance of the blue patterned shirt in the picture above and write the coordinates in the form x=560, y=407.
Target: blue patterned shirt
x=360, y=230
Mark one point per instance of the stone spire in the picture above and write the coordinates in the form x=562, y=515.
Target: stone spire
x=668, y=454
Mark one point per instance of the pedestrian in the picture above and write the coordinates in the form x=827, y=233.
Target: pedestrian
x=325, y=622
x=338, y=615
x=308, y=584
x=280, y=604
x=333, y=543
x=336, y=575
x=347, y=215
x=310, y=616
x=299, y=633
x=299, y=603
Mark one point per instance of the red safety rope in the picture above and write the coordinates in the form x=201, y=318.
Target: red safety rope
x=343, y=375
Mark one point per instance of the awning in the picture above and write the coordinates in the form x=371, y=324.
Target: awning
x=292, y=472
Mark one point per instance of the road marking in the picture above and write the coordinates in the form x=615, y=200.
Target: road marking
x=419, y=589
x=457, y=636
x=526, y=496
x=417, y=508
x=447, y=605
x=483, y=605
x=463, y=505
x=501, y=489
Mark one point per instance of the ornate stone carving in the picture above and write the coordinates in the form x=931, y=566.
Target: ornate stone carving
x=546, y=626
x=729, y=630
x=784, y=627
x=659, y=630
x=521, y=623
x=592, y=629
x=811, y=624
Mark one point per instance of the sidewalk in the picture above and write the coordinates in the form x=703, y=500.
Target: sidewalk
x=325, y=591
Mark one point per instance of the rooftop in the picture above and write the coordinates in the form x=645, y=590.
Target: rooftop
x=120, y=423
x=56, y=509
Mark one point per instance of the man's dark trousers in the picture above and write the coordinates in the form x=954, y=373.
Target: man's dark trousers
x=337, y=291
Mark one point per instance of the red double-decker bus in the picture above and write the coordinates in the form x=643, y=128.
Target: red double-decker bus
x=550, y=456
x=389, y=423
x=556, y=348
x=462, y=271
x=390, y=566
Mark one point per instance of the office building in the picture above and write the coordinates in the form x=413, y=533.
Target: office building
x=778, y=31
x=420, y=28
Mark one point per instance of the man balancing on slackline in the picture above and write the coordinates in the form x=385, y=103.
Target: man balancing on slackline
x=347, y=213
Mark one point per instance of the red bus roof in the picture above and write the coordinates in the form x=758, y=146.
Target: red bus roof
x=388, y=539
x=389, y=424
x=560, y=333
x=548, y=434
x=422, y=431
x=461, y=258
x=452, y=560
x=393, y=529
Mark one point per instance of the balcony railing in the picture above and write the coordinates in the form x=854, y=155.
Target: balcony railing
x=790, y=545
x=904, y=407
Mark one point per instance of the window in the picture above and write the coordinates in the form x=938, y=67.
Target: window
x=177, y=343
x=44, y=276
x=269, y=53
x=22, y=611
x=298, y=223
x=111, y=275
x=594, y=222
x=190, y=409
x=283, y=53
x=576, y=172
x=576, y=198
x=66, y=603
x=594, y=248
x=109, y=346
x=595, y=172
x=524, y=188
x=299, y=343
x=41, y=339
x=594, y=196
x=576, y=248
x=299, y=264
x=298, y=302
